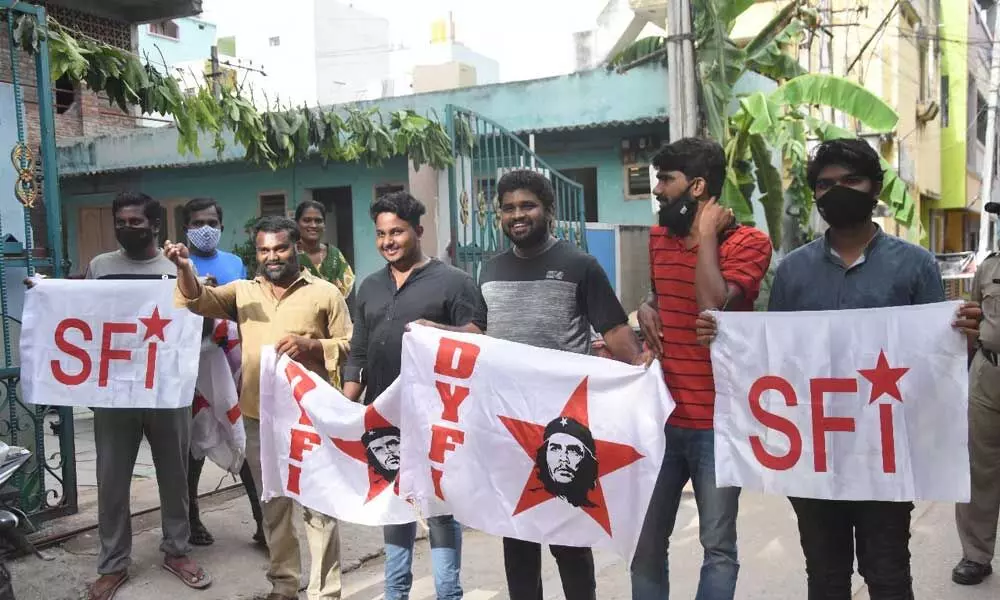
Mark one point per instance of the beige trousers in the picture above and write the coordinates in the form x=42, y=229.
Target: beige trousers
x=977, y=520
x=322, y=537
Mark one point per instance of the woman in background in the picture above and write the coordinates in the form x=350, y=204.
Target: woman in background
x=323, y=260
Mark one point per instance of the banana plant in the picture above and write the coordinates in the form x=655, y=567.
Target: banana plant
x=780, y=121
x=754, y=129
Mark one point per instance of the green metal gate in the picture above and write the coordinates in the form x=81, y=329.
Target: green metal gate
x=46, y=487
x=483, y=152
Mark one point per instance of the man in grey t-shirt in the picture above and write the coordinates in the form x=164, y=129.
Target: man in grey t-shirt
x=118, y=431
x=547, y=293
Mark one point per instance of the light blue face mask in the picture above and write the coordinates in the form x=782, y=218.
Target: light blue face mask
x=204, y=238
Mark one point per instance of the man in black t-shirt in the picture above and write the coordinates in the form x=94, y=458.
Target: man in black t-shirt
x=547, y=293
x=411, y=288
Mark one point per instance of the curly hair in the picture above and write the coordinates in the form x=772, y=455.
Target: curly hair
x=277, y=225
x=401, y=204
x=850, y=153
x=530, y=181
x=695, y=157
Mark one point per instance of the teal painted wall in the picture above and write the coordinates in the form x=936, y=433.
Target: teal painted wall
x=237, y=188
x=601, y=149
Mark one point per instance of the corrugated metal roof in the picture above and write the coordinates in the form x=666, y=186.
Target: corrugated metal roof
x=602, y=125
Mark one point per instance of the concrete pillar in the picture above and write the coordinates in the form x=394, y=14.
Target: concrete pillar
x=430, y=186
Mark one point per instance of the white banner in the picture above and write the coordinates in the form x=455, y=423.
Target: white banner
x=108, y=344
x=333, y=455
x=848, y=405
x=529, y=443
x=217, y=430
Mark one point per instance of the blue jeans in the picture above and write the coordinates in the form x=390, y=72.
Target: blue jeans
x=690, y=454
x=446, y=555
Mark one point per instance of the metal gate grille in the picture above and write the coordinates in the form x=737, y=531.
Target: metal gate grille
x=46, y=486
x=483, y=152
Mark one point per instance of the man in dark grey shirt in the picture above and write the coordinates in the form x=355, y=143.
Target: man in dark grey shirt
x=547, y=293
x=412, y=288
x=855, y=265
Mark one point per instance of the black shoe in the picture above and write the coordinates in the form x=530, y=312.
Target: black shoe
x=967, y=572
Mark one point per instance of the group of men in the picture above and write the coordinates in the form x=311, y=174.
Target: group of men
x=543, y=292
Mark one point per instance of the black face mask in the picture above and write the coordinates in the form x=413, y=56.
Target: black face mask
x=678, y=215
x=843, y=207
x=134, y=239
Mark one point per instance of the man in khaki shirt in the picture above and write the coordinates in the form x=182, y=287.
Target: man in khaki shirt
x=977, y=520
x=307, y=319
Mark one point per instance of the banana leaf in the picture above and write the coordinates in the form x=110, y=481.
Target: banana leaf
x=770, y=186
x=841, y=94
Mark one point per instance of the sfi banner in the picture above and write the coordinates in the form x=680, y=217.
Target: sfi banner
x=108, y=344
x=847, y=405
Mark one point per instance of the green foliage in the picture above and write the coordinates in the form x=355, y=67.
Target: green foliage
x=248, y=249
x=277, y=138
x=763, y=124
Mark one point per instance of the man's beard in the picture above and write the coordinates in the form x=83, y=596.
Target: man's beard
x=275, y=276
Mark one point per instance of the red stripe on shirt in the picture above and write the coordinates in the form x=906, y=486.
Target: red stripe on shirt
x=744, y=258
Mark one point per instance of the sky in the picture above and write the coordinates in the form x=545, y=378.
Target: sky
x=529, y=38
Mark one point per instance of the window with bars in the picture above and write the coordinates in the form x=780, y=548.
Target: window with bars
x=272, y=205
x=167, y=29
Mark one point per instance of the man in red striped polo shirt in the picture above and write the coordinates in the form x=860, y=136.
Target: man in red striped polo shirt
x=700, y=259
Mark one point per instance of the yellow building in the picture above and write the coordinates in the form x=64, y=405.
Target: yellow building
x=964, y=38
x=891, y=49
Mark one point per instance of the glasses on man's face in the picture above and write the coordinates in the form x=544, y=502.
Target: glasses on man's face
x=848, y=180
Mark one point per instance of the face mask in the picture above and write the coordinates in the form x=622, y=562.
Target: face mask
x=204, y=238
x=843, y=207
x=134, y=239
x=678, y=216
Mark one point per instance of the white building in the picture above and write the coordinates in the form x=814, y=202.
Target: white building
x=620, y=23
x=329, y=53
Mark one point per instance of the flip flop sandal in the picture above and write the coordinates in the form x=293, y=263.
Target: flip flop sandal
x=197, y=580
x=109, y=592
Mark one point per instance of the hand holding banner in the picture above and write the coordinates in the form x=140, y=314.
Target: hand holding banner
x=846, y=405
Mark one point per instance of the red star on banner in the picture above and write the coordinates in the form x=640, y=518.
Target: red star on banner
x=356, y=450
x=884, y=379
x=611, y=456
x=155, y=325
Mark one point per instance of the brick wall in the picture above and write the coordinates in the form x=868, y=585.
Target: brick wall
x=80, y=112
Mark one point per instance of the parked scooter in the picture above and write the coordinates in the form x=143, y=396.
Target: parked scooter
x=13, y=540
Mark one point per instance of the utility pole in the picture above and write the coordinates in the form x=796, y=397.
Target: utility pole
x=682, y=95
x=216, y=73
x=989, y=157
x=680, y=71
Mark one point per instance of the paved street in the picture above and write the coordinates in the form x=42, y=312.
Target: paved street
x=771, y=558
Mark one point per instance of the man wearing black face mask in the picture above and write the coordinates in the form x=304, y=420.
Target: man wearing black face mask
x=699, y=260
x=119, y=431
x=854, y=265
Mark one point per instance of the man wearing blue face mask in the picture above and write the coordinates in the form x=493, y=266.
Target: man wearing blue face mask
x=203, y=223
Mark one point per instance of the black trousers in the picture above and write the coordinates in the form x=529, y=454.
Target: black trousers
x=194, y=476
x=523, y=564
x=830, y=531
